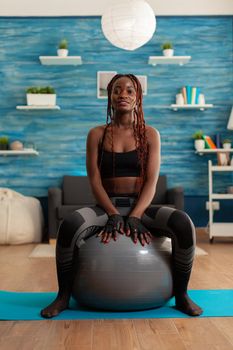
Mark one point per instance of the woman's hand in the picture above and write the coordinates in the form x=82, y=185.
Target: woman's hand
x=135, y=228
x=114, y=225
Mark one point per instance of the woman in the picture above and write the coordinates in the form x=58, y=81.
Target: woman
x=123, y=161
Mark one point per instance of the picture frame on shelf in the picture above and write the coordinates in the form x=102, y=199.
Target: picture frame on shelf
x=223, y=158
x=143, y=81
x=103, y=78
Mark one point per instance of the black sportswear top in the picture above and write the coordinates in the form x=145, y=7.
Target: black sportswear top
x=125, y=164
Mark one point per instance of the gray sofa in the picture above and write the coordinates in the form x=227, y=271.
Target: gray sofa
x=76, y=193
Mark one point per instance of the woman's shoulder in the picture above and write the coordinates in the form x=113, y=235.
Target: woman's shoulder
x=96, y=135
x=153, y=138
x=97, y=131
x=151, y=133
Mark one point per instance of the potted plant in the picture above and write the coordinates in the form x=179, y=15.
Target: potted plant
x=199, y=142
x=167, y=49
x=63, y=48
x=4, y=143
x=41, y=96
x=226, y=143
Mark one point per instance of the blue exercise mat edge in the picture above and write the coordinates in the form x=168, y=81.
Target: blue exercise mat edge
x=27, y=305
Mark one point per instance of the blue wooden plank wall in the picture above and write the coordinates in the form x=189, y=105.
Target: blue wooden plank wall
x=60, y=136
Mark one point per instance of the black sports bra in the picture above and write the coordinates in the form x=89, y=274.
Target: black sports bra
x=125, y=164
x=118, y=164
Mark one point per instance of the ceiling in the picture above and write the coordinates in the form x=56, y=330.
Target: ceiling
x=96, y=7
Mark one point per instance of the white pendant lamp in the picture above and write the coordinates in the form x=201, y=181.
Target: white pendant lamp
x=129, y=24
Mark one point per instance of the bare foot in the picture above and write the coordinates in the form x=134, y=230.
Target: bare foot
x=187, y=306
x=54, y=309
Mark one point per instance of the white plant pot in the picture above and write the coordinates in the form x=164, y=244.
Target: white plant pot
x=168, y=52
x=62, y=52
x=199, y=145
x=227, y=145
x=41, y=99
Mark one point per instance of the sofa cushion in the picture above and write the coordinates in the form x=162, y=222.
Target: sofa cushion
x=64, y=210
x=161, y=191
x=77, y=190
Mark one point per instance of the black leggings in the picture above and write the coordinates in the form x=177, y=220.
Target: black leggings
x=160, y=221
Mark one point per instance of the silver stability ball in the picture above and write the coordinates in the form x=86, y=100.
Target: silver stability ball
x=122, y=275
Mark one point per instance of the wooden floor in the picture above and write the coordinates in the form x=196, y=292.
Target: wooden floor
x=20, y=273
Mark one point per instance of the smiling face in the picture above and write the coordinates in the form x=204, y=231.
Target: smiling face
x=124, y=95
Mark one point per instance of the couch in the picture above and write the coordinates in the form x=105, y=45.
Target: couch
x=76, y=193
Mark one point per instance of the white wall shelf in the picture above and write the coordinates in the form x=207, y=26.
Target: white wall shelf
x=222, y=196
x=176, y=107
x=222, y=168
x=24, y=152
x=180, y=60
x=57, y=60
x=37, y=107
x=216, y=150
x=216, y=229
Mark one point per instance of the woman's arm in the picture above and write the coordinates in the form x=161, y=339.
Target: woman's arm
x=152, y=173
x=92, y=146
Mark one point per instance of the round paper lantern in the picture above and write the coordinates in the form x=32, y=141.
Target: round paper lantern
x=129, y=24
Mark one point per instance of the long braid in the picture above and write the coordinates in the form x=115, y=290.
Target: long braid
x=138, y=125
x=140, y=132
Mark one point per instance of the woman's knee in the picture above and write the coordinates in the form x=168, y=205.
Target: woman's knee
x=69, y=227
x=182, y=226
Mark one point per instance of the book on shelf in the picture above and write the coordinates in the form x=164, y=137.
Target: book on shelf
x=218, y=141
x=183, y=91
x=197, y=94
x=188, y=93
x=209, y=143
x=193, y=95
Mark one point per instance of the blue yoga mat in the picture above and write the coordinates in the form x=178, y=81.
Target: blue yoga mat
x=27, y=306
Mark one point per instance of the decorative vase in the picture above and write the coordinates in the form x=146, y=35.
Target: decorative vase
x=201, y=99
x=199, y=144
x=168, y=52
x=179, y=99
x=62, y=52
x=16, y=146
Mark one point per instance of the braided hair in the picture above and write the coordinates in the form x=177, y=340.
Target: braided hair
x=138, y=125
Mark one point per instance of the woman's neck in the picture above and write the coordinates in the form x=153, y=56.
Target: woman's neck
x=123, y=121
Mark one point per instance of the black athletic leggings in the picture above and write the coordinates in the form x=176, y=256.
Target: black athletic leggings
x=160, y=221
